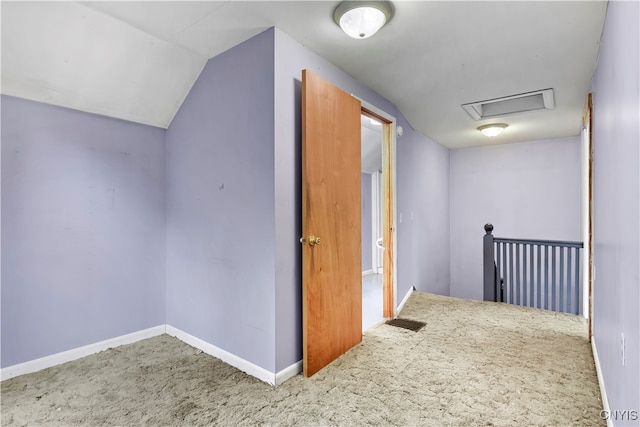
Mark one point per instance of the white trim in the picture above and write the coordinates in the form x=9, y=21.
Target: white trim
x=229, y=358
x=404, y=300
x=585, y=208
x=368, y=272
x=376, y=227
x=288, y=373
x=603, y=392
x=76, y=353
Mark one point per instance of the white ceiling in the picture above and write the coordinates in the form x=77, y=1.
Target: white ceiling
x=138, y=60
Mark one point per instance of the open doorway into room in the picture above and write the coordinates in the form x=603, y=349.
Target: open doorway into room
x=378, y=240
x=372, y=265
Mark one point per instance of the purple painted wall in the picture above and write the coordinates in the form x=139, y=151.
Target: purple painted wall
x=83, y=225
x=112, y=227
x=220, y=205
x=424, y=175
x=423, y=214
x=616, y=198
x=529, y=190
x=367, y=240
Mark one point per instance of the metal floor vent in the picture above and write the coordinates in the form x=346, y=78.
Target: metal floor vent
x=412, y=325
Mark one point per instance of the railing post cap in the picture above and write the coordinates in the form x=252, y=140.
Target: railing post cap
x=488, y=228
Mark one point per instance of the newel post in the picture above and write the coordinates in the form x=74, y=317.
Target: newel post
x=488, y=265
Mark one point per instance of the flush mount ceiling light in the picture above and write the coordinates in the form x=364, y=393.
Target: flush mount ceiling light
x=362, y=19
x=492, y=130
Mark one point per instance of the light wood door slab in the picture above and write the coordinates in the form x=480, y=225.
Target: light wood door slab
x=331, y=210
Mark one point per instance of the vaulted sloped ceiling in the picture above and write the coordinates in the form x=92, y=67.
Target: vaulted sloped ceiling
x=138, y=60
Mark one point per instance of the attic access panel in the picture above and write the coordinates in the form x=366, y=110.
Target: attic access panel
x=530, y=101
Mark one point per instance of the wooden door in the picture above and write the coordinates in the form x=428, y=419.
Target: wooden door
x=331, y=212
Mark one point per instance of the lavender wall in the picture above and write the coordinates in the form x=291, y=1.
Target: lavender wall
x=425, y=175
x=104, y=234
x=423, y=220
x=83, y=225
x=220, y=205
x=616, y=198
x=526, y=190
x=367, y=240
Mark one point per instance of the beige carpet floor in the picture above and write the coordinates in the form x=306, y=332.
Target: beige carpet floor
x=473, y=364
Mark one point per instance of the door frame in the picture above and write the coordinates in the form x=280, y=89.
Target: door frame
x=389, y=202
x=587, y=184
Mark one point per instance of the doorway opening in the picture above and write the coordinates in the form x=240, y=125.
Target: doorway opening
x=587, y=213
x=378, y=207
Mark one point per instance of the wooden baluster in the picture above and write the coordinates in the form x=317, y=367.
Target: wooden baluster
x=569, y=290
x=517, y=284
x=577, y=310
x=561, y=307
x=489, y=285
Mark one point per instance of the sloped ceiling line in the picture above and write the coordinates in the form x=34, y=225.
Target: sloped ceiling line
x=137, y=61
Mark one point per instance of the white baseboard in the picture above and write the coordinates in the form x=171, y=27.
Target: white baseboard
x=288, y=372
x=229, y=358
x=603, y=391
x=405, y=299
x=368, y=272
x=76, y=353
x=236, y=361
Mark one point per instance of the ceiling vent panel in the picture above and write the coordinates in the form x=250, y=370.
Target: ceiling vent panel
x=530, y=101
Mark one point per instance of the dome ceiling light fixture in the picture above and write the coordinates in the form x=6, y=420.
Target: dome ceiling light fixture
x=362, y=19
x=493, y=129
